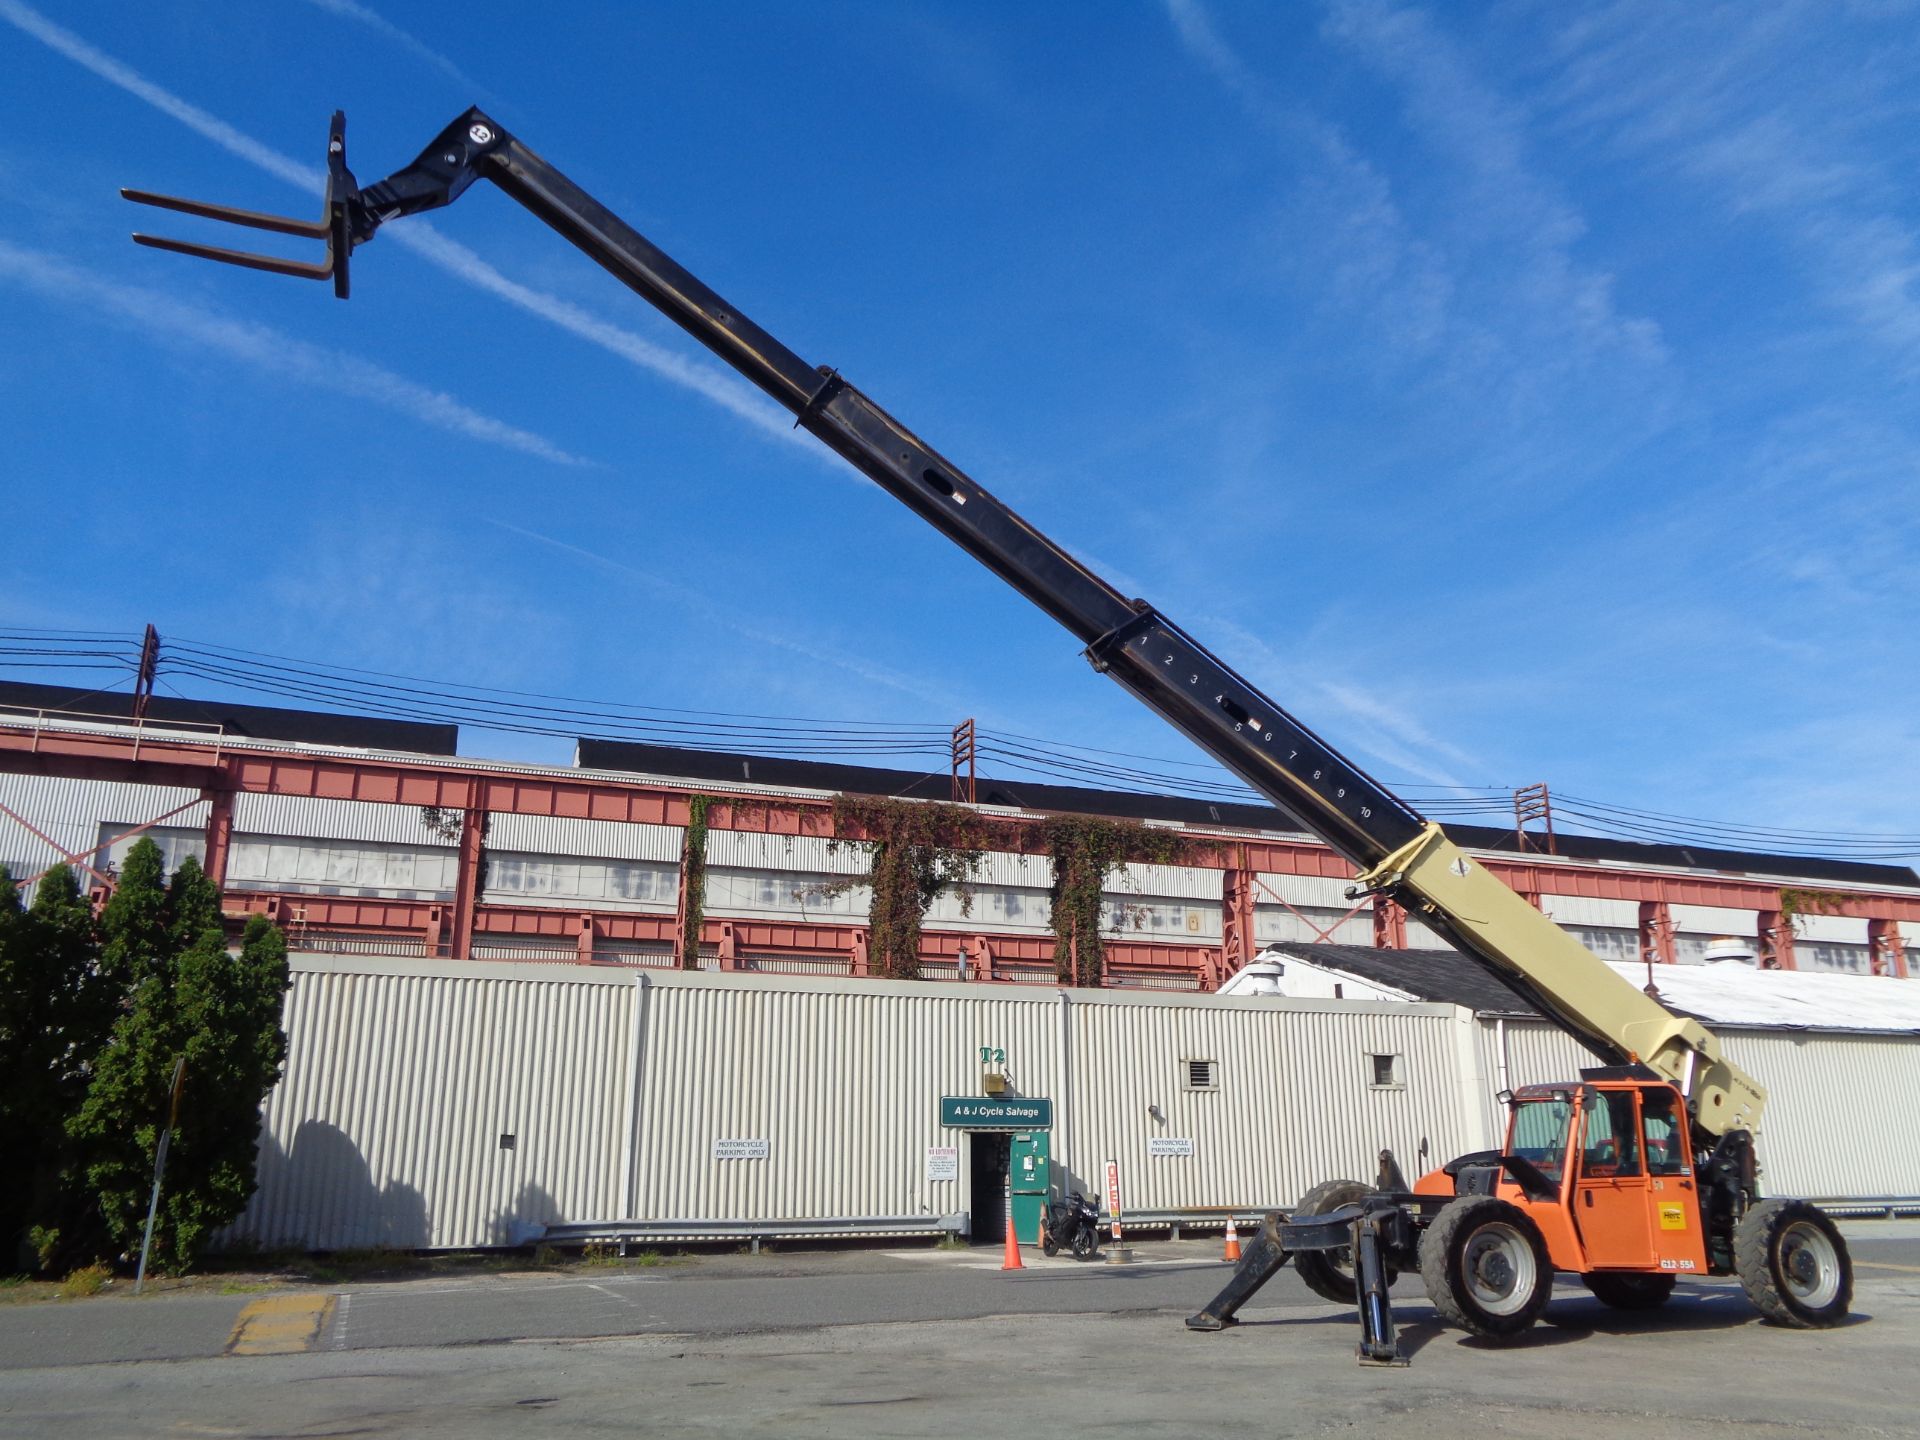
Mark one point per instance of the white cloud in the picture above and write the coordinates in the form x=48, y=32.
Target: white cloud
x=259, y=347
x=732, y=394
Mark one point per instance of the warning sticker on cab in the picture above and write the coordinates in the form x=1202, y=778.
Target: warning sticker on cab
x=1673, y=1217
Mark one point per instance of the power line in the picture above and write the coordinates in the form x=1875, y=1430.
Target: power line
x=409, y=697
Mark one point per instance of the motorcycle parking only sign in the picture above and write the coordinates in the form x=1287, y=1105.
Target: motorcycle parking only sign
x=1165, y=1147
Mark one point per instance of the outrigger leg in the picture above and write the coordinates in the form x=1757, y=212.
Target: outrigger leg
x=1362, y=1229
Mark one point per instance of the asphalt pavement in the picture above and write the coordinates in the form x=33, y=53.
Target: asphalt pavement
x=929, y=1341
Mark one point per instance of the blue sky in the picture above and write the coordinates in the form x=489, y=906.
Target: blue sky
x=1516, y=392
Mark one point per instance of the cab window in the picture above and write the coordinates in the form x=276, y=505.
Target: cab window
x=1666, y=1132
x=1540, y=1134
x=1610, y=1142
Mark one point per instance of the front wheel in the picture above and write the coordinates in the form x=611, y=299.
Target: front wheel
x=1085, y=1241
x=1793, y=1264
x=1486, y=1267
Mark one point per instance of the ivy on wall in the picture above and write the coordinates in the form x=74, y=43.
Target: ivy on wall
x=915, y=850
x=1087, y=850
x=918, y=849
x=1795, y=904
x=693, y=879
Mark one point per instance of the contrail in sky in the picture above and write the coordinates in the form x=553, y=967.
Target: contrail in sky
x=351, y=10
x=263, y=348
x=734, y=396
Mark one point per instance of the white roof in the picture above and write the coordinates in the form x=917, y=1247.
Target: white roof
x=1729, y=994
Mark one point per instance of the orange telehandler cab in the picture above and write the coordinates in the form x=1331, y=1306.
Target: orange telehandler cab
x=1639, y=1172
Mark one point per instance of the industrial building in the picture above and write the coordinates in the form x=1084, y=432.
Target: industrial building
x=491, y=1040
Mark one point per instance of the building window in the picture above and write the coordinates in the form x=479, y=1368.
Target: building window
x=1201, y=1075
x=1387, y=1072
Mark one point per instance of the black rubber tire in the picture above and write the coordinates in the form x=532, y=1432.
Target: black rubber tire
x=1047, y=1246
x=1086, y=1240
x=1329, y=1273
x=1630, y=1292
x=1486, y=1267
x=1793, y=1264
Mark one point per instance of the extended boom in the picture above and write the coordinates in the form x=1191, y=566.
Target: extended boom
x=1398, y=853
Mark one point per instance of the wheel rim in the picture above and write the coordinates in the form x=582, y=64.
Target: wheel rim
x=1809, y=1264
x=1498, y=1267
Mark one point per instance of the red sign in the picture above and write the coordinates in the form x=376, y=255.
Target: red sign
x=1113, y=1197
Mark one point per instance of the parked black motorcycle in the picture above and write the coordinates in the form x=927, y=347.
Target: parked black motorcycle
x=1071, y=1224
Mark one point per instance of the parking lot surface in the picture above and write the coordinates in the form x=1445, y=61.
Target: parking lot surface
x=922, y=1342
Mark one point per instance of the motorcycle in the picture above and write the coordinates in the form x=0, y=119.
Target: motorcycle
x=1072, y=1223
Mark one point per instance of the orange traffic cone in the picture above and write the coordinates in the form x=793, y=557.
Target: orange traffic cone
x=1233, y=1241
x=1012, y=1260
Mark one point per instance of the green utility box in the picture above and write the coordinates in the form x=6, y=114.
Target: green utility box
x=1028, y=1166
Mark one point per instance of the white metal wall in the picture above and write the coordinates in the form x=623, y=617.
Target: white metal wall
x=1839, y=1120
x=401, y=1080
x=842, y=1080
x=1294, y=1103
x=615, y=1086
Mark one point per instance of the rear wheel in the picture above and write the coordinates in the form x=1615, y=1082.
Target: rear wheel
x=1048, y=1247
x=1486, y=1267
x=1329, y=1273
x=1630, y=1292
x=1793, y=1264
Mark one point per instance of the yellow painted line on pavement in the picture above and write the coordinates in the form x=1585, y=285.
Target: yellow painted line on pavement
x=1883, y=1265
x=281, y=1325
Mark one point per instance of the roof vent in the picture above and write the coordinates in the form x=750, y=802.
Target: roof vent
x=1730, y=949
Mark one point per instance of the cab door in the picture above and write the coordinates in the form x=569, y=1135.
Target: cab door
x=1612, y=1202
x=1678, y=1244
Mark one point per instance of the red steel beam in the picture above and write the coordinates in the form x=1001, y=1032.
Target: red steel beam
x=205, y=766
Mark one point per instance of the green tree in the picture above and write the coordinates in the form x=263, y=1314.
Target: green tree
x=187, y=997
x=56, y=1012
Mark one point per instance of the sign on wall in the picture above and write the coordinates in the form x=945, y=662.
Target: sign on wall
x=943, y=1162
x=741, y=1149
x=1165, y=1147
x=995, y=1112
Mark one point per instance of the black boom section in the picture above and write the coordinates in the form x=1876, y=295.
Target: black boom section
x=1172, y=673
x=1176, y=677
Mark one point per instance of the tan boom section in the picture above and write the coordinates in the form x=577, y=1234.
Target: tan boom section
x=1437, y=876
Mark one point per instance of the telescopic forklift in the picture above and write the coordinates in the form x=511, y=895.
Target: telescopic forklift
x=1638, y=1172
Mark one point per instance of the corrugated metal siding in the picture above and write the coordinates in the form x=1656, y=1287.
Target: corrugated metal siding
x=1172, y=882
x=1715, y=920
x=809, y=854
x=1591, y=910
x=386, y=1129
x=843, y=1084
x=599, y=839
x=71, y=813
x=297, y=815
x=1839, y=1119
x=1293, y=1107
x=1319, y=891
x=403, y=1076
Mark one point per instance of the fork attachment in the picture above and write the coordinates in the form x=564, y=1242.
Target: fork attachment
x=335, y=225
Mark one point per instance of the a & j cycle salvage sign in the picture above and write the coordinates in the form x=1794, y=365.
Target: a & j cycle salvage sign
x=995, y=1112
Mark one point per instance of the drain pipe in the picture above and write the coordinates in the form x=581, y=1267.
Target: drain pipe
x=1066, y=1085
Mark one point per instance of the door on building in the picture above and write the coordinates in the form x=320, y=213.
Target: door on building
x=988, y=1161
x=1027, y=1159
